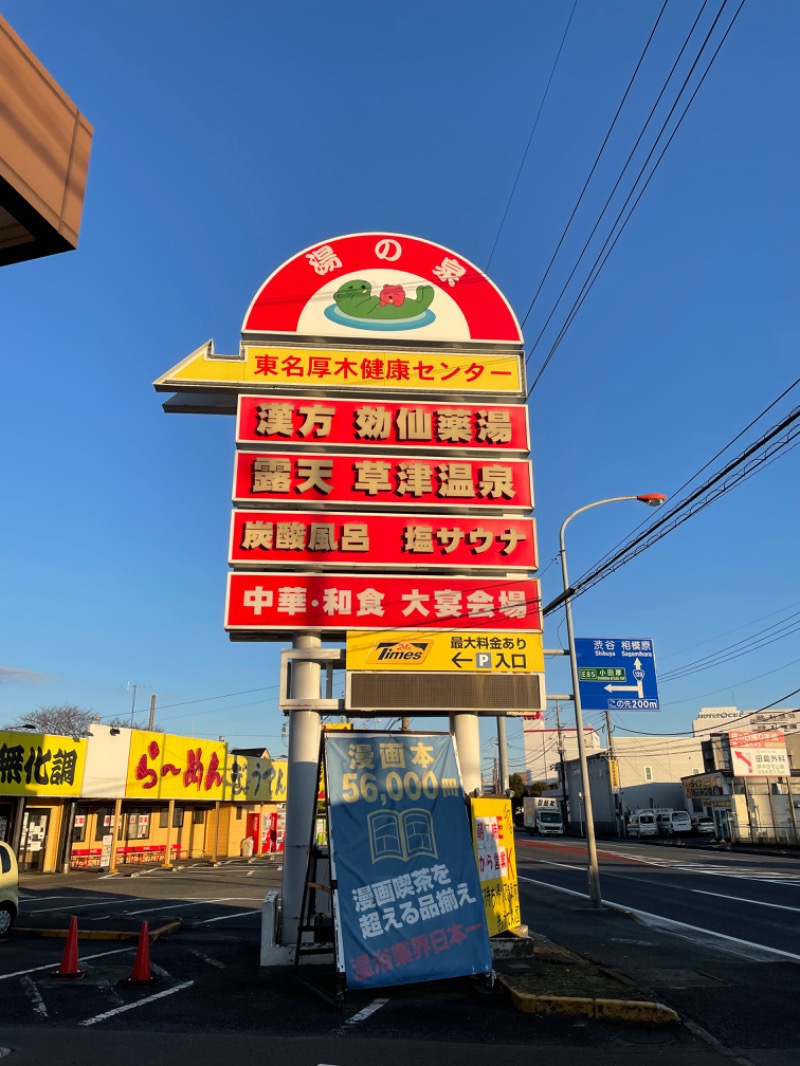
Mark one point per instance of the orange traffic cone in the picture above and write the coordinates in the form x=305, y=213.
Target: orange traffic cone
x=141, y=973
x=69, y=960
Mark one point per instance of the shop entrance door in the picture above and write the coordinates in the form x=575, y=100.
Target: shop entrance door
x=34, y=838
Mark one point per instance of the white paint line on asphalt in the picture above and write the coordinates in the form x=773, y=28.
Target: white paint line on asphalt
x=159, y=970
x=671, y=924
x=34, y=995
x=44, y=899
x=52, y=966
x=139, y=1003
x=84, y=906
x=227, y=917
x=207, y=958
x=741, y=899
x=566, y=865
x=376, y=1004
x=186, y=903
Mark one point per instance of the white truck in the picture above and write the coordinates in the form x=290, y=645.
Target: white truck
x=542, y=815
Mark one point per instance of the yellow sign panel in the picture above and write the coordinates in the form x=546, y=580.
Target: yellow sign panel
x=462, y=651
x=41, y=764
x=613, y=774
x=265, y=366
x=254, y=779
x=165, y=766
x=495, y=854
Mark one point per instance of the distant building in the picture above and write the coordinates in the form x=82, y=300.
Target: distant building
x=44, y=157
x=645, y=772
x=721, y=719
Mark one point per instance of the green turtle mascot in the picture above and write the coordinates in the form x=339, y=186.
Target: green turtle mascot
x=354, y=299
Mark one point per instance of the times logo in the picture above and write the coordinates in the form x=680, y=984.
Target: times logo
x=402, y=651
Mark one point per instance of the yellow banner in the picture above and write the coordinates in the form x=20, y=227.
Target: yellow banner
x=254, y=779
x=268, y=365
x=493, y=841
x=464, y=651
x=165, y=766
x=613, y=774
x=41, y=764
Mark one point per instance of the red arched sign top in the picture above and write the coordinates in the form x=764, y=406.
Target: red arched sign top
x=382, y=286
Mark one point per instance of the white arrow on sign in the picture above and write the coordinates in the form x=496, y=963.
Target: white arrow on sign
x=630, y=688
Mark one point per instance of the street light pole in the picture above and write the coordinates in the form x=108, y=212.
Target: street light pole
x=652, y=500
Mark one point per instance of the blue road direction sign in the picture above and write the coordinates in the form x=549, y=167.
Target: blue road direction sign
x=617, y=674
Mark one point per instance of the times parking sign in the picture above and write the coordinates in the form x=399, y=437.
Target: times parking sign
x=617, y=674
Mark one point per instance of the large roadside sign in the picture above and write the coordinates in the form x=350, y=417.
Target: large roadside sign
x=617, y=674
x=381, y=478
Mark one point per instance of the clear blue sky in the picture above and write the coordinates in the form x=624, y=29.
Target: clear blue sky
x=227, y=139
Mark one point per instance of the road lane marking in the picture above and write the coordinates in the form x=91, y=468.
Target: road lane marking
x=227, y=917
x=34, y=995
x=741, y=899
x=198, y=902
x=83, y=906
x=673, y=924
x=52, y=965
x=376, y=1004
x=139, y=1003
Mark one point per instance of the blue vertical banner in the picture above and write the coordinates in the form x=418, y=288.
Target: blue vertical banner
x=408, y=902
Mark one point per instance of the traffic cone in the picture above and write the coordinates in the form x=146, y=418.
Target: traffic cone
x=141, y=973
x=69, y=960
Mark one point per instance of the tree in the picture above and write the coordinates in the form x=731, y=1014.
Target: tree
x=516, y=783
x=63, y=719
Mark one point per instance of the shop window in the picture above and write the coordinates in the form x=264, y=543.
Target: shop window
x=648, y=773
x=105, y=820
x=136, y=824
x=79, y=825
x=177, y=818
x=697, y=805
x=198, y=816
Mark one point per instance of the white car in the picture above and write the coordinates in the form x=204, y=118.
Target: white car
x=642, y=824
x=673, y=823
x=9, y=889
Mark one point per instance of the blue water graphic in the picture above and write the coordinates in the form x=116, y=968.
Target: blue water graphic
x=379, y=325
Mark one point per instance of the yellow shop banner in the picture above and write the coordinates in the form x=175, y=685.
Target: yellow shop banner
x=165, y=766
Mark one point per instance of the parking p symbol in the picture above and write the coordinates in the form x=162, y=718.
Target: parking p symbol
x=483, y=660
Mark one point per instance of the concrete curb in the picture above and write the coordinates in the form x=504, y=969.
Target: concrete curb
x=625, y=1010
x=171, y=926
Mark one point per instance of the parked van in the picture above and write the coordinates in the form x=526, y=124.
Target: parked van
x=9, y=889
x=673, y=823
x=642, y=824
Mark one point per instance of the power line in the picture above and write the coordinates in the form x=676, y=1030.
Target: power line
x=603, y=255
x=530, y=138
x=609, y=131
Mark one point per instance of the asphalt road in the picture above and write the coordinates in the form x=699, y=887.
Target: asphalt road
x=211, y=997
x=744, y=897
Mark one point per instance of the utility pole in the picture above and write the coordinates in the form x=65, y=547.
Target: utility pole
x=615, y=799
x=405, y=726
x=152, y=721
x=562, y=770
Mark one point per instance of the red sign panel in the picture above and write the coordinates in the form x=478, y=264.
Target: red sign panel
x=311, y=423
x=320, y=481
x=361, y=273
x=291, y=603
x=379, y=541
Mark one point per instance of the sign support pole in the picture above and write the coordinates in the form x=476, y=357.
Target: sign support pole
x=468, y=746
x=305, y=728
x=502, y=747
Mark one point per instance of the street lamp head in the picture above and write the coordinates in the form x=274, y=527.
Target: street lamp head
x=652, y=499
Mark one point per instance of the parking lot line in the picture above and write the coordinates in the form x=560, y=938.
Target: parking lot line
x=139, y=1003
x=227, y=917
x=34, y=995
